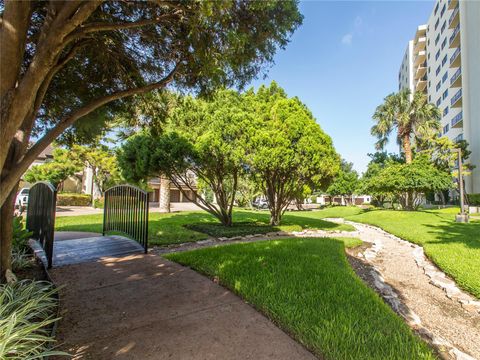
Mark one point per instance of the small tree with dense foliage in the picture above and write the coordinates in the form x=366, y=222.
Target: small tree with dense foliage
x=345, y=183
x=287, y=149
x=103, y=163
x=411, y=181
x=203, y=138
x=55, y=171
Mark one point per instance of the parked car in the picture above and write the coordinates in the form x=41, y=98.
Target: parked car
x=260, y=204
x=22, y=198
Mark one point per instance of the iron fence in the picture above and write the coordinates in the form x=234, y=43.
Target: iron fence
x=42, y=200
x=126, y=211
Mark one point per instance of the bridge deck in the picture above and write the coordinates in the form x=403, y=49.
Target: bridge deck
x=85, y=249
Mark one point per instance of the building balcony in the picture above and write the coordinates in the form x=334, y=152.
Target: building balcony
x=421, y=71
x=454, y=19
x=455, y=38
x=456, y=60
x=458, y=138
x=421, y=84
x=452, y=4
x=456, y=100
x=420, y=58
x=457, y=121
x=456, y=79
x=420, y=44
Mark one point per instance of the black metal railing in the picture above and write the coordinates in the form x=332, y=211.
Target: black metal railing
x=126, y=211
x=42, y=200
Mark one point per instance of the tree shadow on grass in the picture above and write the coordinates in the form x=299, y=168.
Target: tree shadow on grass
x=448, y=232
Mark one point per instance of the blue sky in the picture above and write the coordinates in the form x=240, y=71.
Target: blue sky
x=343, y=61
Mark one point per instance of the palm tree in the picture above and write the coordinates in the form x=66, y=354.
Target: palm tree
x=415, y=117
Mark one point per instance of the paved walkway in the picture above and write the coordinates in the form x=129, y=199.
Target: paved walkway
x=145, y=307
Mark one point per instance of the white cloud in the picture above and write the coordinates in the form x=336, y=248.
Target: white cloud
x=347, y=39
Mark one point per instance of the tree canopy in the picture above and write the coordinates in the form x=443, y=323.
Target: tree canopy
x=346, y=182
x=68, y=64
x=55, y=171
x=206, y=139
x=287, y=148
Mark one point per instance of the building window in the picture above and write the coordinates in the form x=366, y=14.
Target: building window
x=445, y=129
x=445, y=94
x=443, y=10
x=437, y=55
x=443, y=27
x=436, y=24
x=437, y=39
x=438, y=70
x=444, y=60
x=429, y=96
x=444, y=42
x=436, y=9
x=438, y=86
x=444, y=77
x=439, y=101
x=445, y=112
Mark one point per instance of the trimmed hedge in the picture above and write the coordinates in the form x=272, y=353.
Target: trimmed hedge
x=474, y=199
x=73, y=199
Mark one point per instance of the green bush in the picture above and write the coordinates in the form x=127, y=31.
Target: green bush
x=99, y=203
x=474, y=199
x=73, y=199
x=27, y=312
x=20, y=235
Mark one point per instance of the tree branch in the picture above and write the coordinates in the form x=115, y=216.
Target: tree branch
x=10, y=178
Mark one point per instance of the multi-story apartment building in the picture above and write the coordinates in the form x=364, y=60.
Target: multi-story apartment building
x=443, y=60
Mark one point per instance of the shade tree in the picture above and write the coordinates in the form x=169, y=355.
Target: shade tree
x=66, y=63
x=287, y=149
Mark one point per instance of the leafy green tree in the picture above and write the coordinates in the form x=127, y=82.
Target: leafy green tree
x=411, y=118
x=203, y=138
x=345, y=183
x=67, y=63
x=287, y=149
x=103, y=163
x=409, y=182
x=368, y=184
x=55, y=171
x=247, y=191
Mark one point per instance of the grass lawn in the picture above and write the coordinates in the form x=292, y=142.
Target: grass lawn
x=454, y=247
x=308, y=288
x=175, y=228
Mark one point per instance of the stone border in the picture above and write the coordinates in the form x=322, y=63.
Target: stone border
x=391, y=297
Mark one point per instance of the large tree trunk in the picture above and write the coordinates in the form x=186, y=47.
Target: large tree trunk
x=164, y=195
x=6, y=233
x=407, y=148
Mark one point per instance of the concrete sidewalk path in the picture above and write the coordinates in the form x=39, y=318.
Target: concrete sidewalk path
x=145, y=307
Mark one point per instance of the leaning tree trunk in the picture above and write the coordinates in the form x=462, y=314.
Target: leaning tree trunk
x=6, y=233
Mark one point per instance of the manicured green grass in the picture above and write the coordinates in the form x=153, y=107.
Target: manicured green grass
x=175, y=228
x=454, y=247
x=308, y=288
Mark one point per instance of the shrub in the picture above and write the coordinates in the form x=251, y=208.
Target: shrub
x=73, y=199
x=27, y=312
x=474, y=199
x=99, y=203
x=20, y=235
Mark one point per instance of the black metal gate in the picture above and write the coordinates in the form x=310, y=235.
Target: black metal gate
x=126, y=210
x=42, y=200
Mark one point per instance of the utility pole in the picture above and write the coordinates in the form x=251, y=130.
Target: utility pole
x=463, y=217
